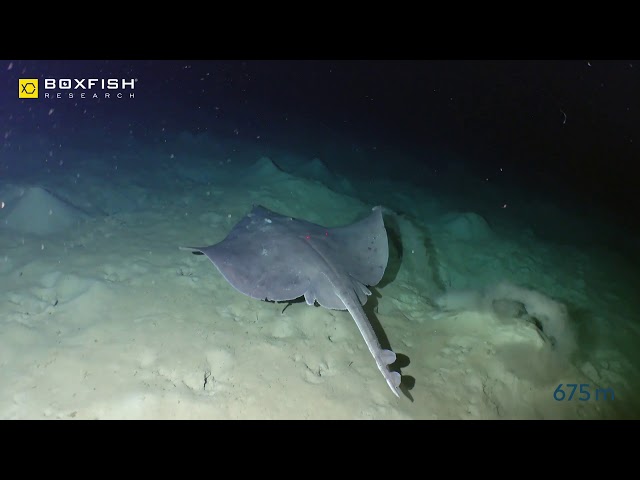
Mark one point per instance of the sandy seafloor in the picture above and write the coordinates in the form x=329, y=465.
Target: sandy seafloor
x=103, y=317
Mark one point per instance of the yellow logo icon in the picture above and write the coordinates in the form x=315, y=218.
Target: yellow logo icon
x=28, y=88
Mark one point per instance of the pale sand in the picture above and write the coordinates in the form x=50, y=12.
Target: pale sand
x=108, y=319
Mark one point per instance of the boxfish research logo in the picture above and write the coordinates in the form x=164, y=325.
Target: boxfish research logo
x=77, y=88
x=28, y=88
